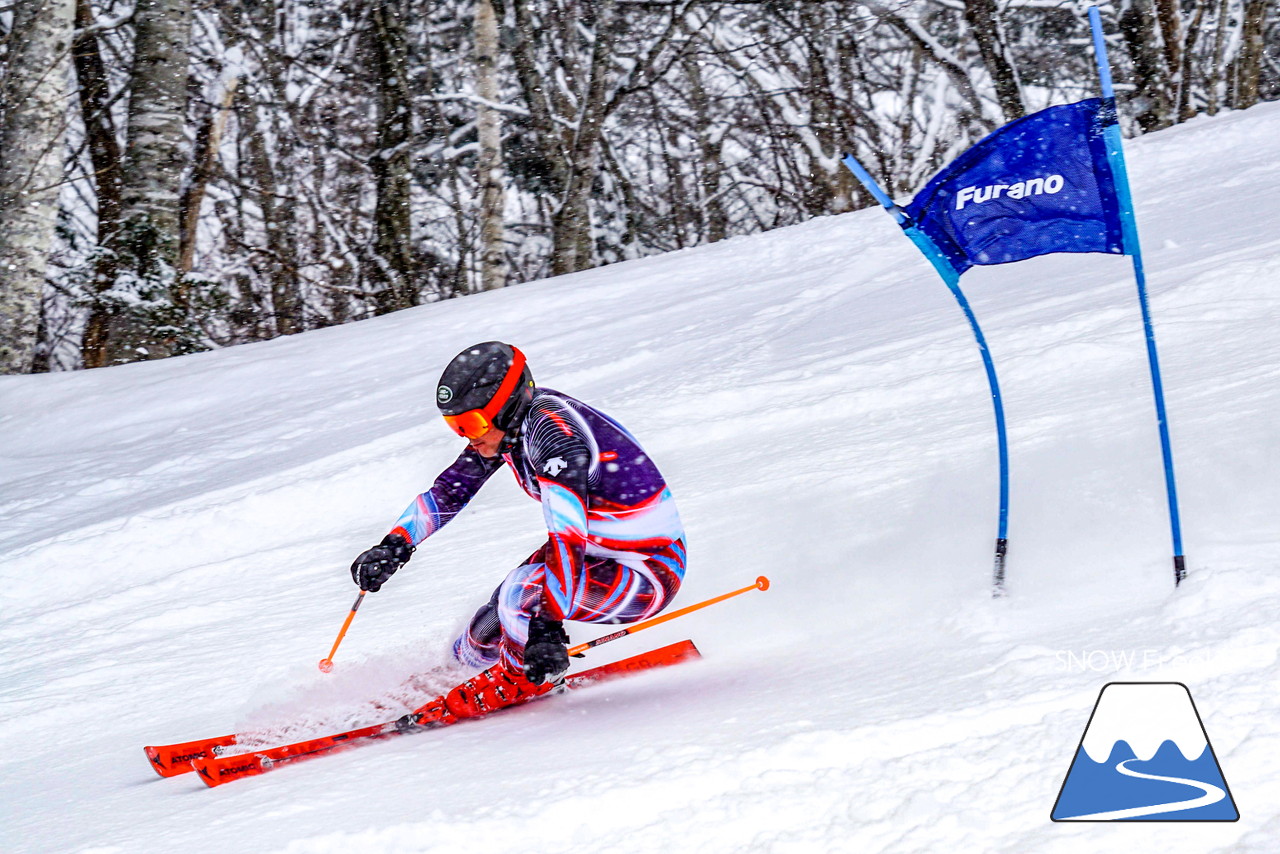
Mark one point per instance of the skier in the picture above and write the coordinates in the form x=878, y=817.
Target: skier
x=615, y=548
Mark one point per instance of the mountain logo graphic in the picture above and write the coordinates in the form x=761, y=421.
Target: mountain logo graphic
x=1145, y=756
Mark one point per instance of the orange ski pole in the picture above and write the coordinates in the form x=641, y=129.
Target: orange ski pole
x=761, y=583
x=326, y=664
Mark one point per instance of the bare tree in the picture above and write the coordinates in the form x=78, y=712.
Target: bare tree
x=577, y=62
x=141, y=301
x=33, y=92
x=381, y=153
x=208, y=139
x=489, y=172
x=567, y=108
x=983, y=17
x=1252, y=49
x=106, y=160
x=1151, y=96
x=710, y=163
x=392, y=265
x=95, y=113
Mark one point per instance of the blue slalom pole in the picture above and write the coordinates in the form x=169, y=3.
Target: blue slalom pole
x=952, y=280
x=1129, y=224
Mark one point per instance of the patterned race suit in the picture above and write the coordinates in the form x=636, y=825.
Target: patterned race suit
x=615, y=547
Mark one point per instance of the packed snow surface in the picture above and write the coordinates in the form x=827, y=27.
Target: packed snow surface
x=175, y=537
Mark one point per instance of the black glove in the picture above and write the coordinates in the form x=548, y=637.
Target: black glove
x=372, y=569
x=545, y=655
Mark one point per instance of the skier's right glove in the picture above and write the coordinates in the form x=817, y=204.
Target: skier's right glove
x=372, y=569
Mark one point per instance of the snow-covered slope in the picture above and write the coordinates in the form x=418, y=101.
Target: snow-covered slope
x=174, y=542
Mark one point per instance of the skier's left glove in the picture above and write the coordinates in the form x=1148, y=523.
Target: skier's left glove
x=372, y=569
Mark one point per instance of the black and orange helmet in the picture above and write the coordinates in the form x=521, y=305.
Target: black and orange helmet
x=486, y=385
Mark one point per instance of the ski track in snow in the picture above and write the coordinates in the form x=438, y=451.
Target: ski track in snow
x=175, y=536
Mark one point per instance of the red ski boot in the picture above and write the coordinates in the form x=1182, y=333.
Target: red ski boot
x=495, y=688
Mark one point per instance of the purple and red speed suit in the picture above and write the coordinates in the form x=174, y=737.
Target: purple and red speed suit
x=615, y=548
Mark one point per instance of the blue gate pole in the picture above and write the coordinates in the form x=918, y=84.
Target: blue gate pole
x=1129, y=223
x=952, y=280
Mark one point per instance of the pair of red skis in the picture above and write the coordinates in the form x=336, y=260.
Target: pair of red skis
x=216, y=762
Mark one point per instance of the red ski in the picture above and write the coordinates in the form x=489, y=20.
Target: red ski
x=215, y=768
x=169, y=760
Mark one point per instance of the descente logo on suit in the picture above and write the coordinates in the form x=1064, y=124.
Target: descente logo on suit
x=1034, y=187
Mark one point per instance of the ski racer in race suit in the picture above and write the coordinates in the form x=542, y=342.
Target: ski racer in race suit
x=614, y=551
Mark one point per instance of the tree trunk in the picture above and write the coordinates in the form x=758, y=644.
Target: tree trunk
x=1186, y=107
x=710, y=145
x=392, y=268
x=145, y=243
x=281, y=240
x=571, y=224
x=157, y=152
x=489, y=171
x=830, y=189
x=95, y=111
x=105, y=155
x=1252, y=47
x=983, y=17
x=1218, y=83
x=1151, y=92
x=31, y=137
x=1169, y=18
x=208, y=139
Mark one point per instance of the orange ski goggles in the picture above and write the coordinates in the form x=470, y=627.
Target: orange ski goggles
x=474, y=423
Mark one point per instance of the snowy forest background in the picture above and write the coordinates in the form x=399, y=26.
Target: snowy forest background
x=178, y=175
